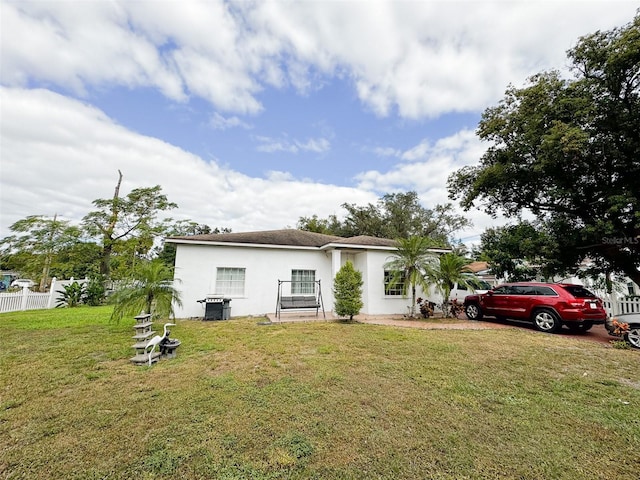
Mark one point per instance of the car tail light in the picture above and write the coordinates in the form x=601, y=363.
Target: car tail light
x=587, y=304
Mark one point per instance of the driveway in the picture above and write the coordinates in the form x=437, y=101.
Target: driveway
x=597, y=334
x=434, y=324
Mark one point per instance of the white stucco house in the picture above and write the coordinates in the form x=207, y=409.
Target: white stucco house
x=246, y=268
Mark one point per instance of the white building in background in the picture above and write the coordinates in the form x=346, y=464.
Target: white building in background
x=246, y=268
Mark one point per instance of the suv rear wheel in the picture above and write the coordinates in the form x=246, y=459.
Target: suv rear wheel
x=473, y=311
x=546, y=320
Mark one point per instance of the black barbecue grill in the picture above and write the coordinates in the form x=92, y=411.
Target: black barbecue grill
x=216, y=307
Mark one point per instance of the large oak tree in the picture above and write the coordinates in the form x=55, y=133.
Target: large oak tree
x=568, y=151
x=395, y=215
x=520, y=252
x=132, y=219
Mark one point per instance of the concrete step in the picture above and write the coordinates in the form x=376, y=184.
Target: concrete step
x=143, y=358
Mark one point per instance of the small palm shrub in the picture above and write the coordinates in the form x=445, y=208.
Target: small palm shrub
x=450, y=268
x=150, y=289
x=408, y=266
x=94, y=292
x=72, y=296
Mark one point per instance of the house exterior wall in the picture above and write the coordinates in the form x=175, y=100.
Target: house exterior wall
x=371, y=264
x=359, y=261
x=196, y=266
x=378, y=302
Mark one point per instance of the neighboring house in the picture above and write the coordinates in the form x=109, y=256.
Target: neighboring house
x=6, y=278
x=246, y=268
x=482, y=270
x=622, y=286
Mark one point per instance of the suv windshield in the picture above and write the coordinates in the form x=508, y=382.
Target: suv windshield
x=578, y=291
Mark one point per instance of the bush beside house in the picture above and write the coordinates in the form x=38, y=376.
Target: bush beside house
x=347, y=291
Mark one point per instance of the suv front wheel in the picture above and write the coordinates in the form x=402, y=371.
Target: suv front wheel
x=546, y=320
x=473, y=311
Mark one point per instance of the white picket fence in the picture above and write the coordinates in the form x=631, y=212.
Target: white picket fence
x=616, y=307
x=28, y=300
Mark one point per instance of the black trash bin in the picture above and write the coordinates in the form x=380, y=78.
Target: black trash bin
x=226, y=308
x=217, y=308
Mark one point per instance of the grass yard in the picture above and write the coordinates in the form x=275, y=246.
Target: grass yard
x=313, y=400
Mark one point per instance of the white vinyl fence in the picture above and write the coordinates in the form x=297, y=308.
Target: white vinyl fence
x=28, y=300
x=627, y=305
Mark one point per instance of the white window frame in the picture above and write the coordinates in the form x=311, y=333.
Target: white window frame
x=396, y=290
x=631, y=289
x=230, y=281
x=303, y=281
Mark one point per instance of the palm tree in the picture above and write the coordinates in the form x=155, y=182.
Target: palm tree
x=150, y=290
x=409, y=265
x=450, y=269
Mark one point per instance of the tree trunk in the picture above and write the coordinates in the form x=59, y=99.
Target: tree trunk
x=105, y=261
x=149, y=302
x=107, y=241
x=446, y=306
x=45, y=273
x=412, y=310
x=48, y=258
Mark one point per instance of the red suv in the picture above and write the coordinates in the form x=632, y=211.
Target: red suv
x=547, y=305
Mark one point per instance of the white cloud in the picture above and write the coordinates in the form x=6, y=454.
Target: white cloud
x=219, y=122
x=419, y=59
x=384, y=151
x=426, y=168
x=75, y=44
x=317, y=145
x=426, y=58
x=278, y=176
x=58, y=155
x=272, y=145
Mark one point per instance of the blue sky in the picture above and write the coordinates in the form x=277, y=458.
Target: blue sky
x=253, y=114
x=325, y=136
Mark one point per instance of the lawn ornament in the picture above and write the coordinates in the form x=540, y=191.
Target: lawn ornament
x=155, y=341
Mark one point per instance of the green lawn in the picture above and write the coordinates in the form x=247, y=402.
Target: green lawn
x=313, y=400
